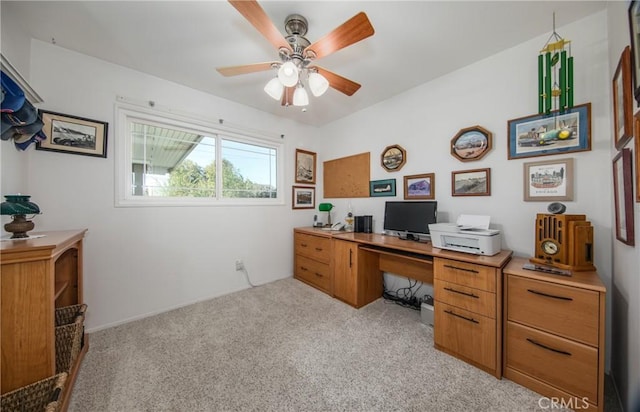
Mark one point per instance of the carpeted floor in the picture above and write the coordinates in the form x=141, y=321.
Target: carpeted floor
x=283, y=346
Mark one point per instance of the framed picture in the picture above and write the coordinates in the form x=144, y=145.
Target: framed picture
x=476, y=182
x=623, y=197
x=550, y=134
x=305, y=167
x=550, y=180
x=420, y=186
x=637, y=153
x=393, y=158
x=634, y=31
x=303, y=197
x=471, y=143
x=622, y=103
x=385, y=187
x=72, y=134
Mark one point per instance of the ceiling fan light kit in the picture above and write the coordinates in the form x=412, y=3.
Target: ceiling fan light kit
x=274, y=88
x=296, y=54
x=300, y=96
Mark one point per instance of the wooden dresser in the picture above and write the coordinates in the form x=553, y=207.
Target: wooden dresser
x=313, y=258
x=467, y=318
x=554, y=334
x=38, y=275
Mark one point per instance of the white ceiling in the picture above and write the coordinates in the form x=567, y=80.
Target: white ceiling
x=180, y=41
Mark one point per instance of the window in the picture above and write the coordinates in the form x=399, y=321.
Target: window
x=169, y=160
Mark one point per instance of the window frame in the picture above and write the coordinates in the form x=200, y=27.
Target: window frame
x=124, y=114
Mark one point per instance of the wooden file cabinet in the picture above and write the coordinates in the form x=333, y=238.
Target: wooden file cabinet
x=349, y=285
x=312, y=259
x=554, y=334
x=38, y=275
x=467, y=321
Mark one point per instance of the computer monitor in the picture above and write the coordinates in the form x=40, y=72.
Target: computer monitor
x=409, y=220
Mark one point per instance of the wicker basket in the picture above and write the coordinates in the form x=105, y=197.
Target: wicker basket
x=40, y=396
x=68, y=314
x=69, y=340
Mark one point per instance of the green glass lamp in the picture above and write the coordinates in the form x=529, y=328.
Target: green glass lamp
x=18, y=207
x=326, y=207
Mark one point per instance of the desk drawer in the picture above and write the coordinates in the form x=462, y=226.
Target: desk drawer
x=467, y=274
x=565, y=364
x=473, y=300
x=313, y=272
x=562, y=310
x=465, y=333
x=315, y=247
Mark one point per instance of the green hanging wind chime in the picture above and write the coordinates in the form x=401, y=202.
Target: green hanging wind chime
x=555, y=74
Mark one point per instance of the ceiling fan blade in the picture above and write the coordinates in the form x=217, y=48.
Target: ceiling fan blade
x=245, y=69
x=287, y=96
x=352, y=31
x=256, y=15
x=341, y=84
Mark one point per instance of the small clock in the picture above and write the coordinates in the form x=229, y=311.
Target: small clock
x=550, y=247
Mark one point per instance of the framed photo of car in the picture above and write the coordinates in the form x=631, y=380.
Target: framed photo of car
x=73, y=134
x=549, y=134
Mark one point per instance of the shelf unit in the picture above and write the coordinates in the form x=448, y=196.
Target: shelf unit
x=38, y=275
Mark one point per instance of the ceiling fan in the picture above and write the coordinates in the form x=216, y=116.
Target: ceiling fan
x=297, y=54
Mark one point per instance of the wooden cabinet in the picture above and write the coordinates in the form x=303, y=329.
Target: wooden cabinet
x=467, y=306
x=554, y=334
x=348, y=284
x=312, y=259
x=38, y=275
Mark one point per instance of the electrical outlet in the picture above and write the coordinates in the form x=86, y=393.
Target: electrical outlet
x=239, y=265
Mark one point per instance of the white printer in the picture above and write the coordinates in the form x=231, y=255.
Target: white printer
x=470, y=234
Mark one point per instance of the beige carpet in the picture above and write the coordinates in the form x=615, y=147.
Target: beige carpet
x=283, y=347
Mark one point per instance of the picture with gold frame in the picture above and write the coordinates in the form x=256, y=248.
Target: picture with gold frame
x=636, y=119
x=303, y=197
x=622, y=101
x=476, y=182
x=550, y=180
x=420, y=186
x=623, y=197
x=305, y=167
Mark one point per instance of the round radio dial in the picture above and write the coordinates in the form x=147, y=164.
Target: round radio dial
x=550, y=247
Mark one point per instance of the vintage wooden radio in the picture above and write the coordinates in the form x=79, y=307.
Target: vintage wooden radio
x=564, y=241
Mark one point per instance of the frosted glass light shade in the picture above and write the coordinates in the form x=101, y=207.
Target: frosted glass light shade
x=274, y=88
x=300, y=97
x=318, y=84
x=288, y=74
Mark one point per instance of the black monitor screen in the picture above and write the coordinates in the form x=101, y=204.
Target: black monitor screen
x=412, y=217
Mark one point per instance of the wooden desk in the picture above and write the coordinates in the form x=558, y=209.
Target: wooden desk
x=468, y=288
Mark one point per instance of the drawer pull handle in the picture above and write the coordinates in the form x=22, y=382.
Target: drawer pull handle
x=471, y=295
x=319, y=274
x=548, y=348
x=319, y=249
x=461, y=317
x=303, y=268
x=303, y=244
x=463, y=269
x=547, y=295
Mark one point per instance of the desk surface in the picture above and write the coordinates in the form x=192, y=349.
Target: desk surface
x=411, y=246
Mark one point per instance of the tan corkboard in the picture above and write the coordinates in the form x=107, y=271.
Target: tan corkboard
x=347, y=176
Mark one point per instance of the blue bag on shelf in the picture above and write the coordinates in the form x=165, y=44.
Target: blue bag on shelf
x=12, y=94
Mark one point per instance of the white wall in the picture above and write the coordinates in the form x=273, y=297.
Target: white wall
x=14, y=44
x=625, y=291
x=423, y=120
x=144, y=260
